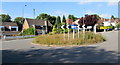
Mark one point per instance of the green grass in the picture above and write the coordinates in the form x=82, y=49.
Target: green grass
x=58, y=39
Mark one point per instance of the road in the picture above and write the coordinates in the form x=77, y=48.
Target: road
x=22, y=51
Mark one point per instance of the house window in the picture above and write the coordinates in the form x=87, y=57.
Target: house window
x=2, y=28
x=38, y=27
x=13, y=29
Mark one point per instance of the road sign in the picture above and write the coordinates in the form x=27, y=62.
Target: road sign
x=63, y=26
x=74, y=26
x=83, y=26
x=68, y=26
x=79, y=26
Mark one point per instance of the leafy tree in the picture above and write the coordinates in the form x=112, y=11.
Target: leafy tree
x=72, y=17
x=112, y=17
x=97, y=16
x=58, y=24
x=19, y=21
x=46, y=17
x=89, y=20
x=5, y=18
x=64, y=19
x=43, y=16
x=52, y=19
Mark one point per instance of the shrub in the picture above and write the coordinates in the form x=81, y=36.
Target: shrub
x=29, y=31
x=118, y=25
x=58, y=39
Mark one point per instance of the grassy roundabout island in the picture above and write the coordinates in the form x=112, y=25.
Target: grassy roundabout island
x=60, y=40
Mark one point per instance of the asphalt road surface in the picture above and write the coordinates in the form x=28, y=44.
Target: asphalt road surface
x=22, y=51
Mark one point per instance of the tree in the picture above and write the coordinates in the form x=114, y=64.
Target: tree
x=43, y=16
x=5, y=18
x=112, y=17
x=46, y=17
x=97, y=16
x=89, y=20
x=72, y=17
x=52, y=19
x=69, y=16
x=63, y=19
x=19, y=21
x=58, y=24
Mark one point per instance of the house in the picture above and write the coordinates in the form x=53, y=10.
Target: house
x=109, y=22
x=9, y=28
x=39, y=25
x=69, y=21
x=89, y=20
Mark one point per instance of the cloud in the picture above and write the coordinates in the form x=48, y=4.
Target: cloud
x=61, y=13
x=105, y=15
x=2, y=11
x=112, y=3
x=90, y=12
x=99, y=5
x=83, y=2
x=101, y=15
x=109, y=2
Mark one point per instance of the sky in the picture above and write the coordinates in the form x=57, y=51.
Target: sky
x=78, y=9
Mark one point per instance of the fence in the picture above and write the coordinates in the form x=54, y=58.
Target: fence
x=16, y=37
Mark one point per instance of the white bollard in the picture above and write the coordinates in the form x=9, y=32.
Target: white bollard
x=68, y=34
x=73, y=34
x=95, y=29
x=78, y=33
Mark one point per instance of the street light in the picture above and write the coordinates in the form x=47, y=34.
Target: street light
x=23, y=12
x=23, y=16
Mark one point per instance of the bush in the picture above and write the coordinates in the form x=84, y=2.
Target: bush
x=30, y=31
x=58, y=39
x=118, y=25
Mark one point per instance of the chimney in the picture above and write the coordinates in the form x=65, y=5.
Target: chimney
x=46, y=25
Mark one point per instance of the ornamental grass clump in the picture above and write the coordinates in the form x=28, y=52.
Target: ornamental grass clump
x=61, y=40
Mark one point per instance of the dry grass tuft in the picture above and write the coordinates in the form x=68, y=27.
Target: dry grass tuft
x=58, y=39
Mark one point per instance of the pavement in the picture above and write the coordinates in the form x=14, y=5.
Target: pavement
x=22, y=51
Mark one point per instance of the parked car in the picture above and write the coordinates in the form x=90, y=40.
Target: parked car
x=117, y=28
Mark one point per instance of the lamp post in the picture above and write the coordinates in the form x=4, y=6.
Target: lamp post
x=23, y=16
x=23, y=12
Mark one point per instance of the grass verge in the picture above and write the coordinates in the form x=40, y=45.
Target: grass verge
x=60, y=40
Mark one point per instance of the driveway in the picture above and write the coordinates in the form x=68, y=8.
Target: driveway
x=22, y=51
